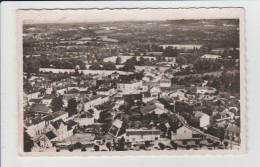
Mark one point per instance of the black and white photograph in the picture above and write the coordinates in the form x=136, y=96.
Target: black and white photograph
x=131, y=81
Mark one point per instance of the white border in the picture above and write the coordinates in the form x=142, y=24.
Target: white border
x=8, y=91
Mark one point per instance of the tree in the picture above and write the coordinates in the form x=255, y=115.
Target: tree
x=187, y=147
x=72, y=107
x=181, y=60
x=225, y=144
x=128, y=67
x=118, y=60
x=147, y=144
x=121, y=144
x=108, y=146
x=76, y=72
x=56, y=104
x=109, y=66
x=162, y=146
x=28, y=142
x=96, y=148
x=184, y=142
x=95, y=66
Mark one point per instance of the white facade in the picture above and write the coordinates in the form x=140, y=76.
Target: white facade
x=129, y=86
x=204, y=120
x=182, y=133
x=134, y=135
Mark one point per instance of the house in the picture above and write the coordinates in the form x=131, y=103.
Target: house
x=61, y=90
x=137, y=135
x=204, y=90
x=210, y=56
x=232, y=132
x=93, y=101
x=182, y=133
x=106, y=91
x=35, y=127
x=178, y=95
x=34, y=101
x=56, y=116
x=129, y=85
x=60, y=129
x=116, y=126
x=25, y=99
x=85, y=119
x=41, y=109
x=47, y=139
x=201, y=119
x=47, y=98
x=155, y=92
x=165, y=83
x=34, y=95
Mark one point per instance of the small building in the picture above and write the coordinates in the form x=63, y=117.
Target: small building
x=165, y=83
x=232, y=132
x=201, y=119
x=47, y=98
x=182, y=133
x=47, y=139
x=138, y=135
x=204, y=90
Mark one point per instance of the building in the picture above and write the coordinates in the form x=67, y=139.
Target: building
x=35, y=127
x=47, y=139
x=93, y=101
x=85, y=119
x=232, y=132
x=182, y=133
x=42, y=109
x=201, y=119
x=114, y=129
x=138, y=135
x=47, y=98
x=165, y=83
x=129, y=86
x=205, y=90
x=210, y=56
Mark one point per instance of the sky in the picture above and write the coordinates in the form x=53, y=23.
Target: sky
x=95, y=15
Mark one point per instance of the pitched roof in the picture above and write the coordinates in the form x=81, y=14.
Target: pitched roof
x=54, y=115
x=41, y=108
x=142, y=132
x=233, y=128
x=49, y=96
x=35, y=100
x=32, y=121
x=50, y=135
x=147, y=109
x=56, y=124
x=70, y=96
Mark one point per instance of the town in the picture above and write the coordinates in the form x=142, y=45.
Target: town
x=131, y=86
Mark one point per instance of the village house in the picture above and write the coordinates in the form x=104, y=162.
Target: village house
x=182, y=133
x=232, y=132
x=155, y=92
x=139, y=135
x=106, y=91
x=47, y=98
x=127, y=86
x=34, y=95
x=116, y=126
x=41, y=109
x=165, y=83
x=35, y=101
x=35, y=127
x=93, y=101
x=45, y=141
x=201, y=119
x=204, y=90
x=84, y=119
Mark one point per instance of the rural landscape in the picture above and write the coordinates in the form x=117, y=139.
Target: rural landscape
x=162, y=85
